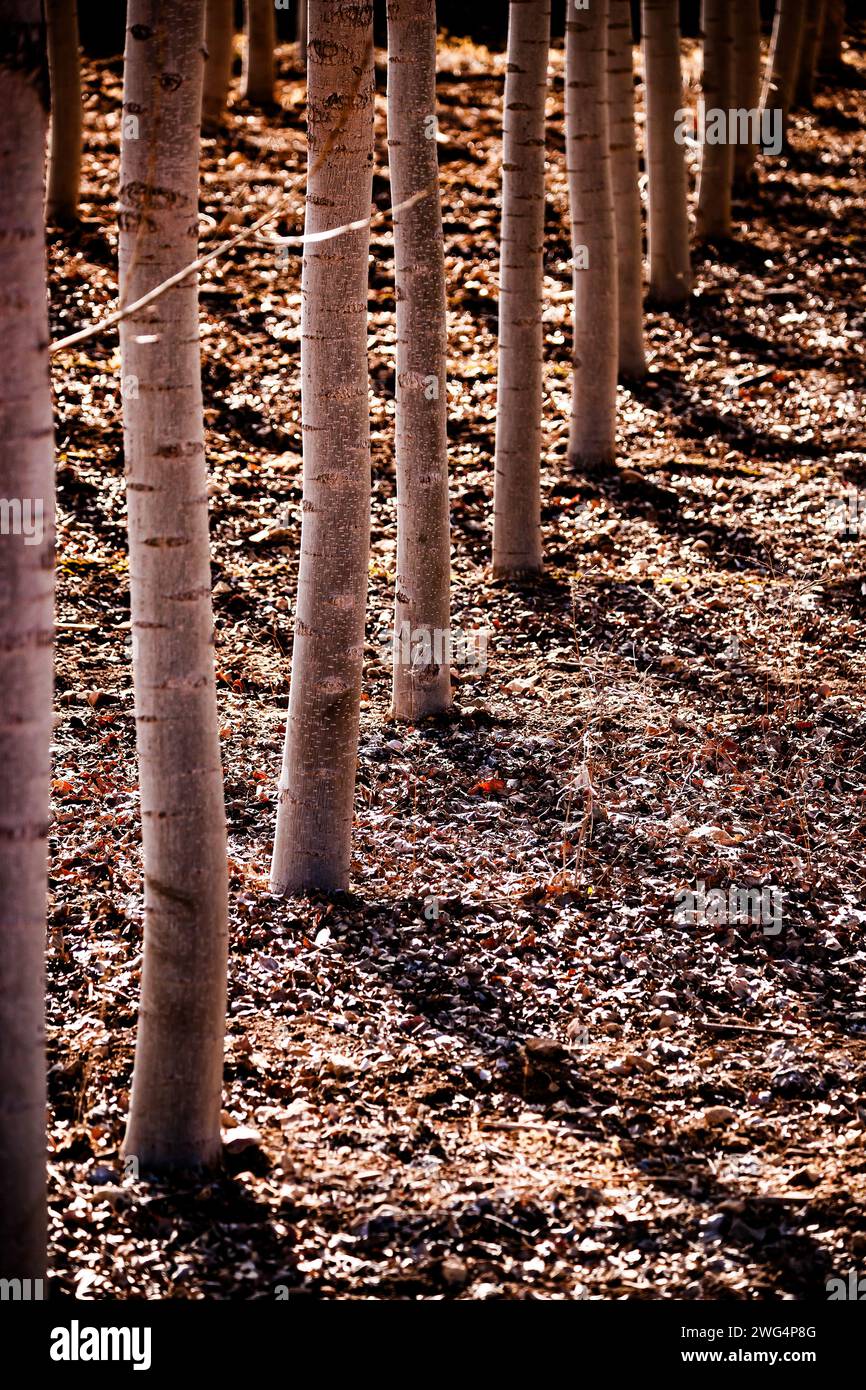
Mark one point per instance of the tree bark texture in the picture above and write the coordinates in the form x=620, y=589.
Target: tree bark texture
x=317, y=784
x=175, y=1105
x=517, y=545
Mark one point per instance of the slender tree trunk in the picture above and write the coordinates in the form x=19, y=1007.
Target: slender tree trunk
x=517, y=546
x=301, y=32
x=175, y=1107
x=626, y=192
x=314, y=819
x=830, y=55
x=260, y=25
x=26, y=636
x=717, y=155
x=670, y=276
x=592, y=426
x=813, y=28
x=422, y=606
x=784, y=61
x=64, y=159
x=219, y=42
x=746, y=21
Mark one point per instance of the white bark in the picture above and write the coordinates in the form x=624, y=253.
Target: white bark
x=670, y=276
x=422, y=605
x=783, y=63
x=260, y=31
x=314, y=819
x=64, y=158
x=26, y=635
x=813, y=28
x=717, y=159
x=517, y=545
x=746, y=23
x=626, y=192
x=592, y=425
x=219, y=42
x=175, y=1106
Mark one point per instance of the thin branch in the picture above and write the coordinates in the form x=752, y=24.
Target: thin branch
x=301, y=240
x=123, y=313
x=119, y=314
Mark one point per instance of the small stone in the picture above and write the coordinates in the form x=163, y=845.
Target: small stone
x=454, y=1271
x=642, y=1063
x=664, y=999
x=241, y=1139
x=543, y=1049
x=806, y=1177
x=340, y=1066
x=719, y=1115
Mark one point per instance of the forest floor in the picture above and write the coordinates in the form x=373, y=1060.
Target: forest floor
x=502, y=1067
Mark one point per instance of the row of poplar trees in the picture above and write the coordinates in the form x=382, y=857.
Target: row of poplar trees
x=174, y=1120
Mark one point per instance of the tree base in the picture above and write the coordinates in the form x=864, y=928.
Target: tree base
x=592, y=465
x=633, y=370
x=527, y=570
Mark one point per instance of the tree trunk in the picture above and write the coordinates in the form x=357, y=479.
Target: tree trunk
x=219, y=42
x=670, y=276
x=422, y=606
x=783, y=63
x=813, y=28
x=746, y=22
x=260, y=25
x=26, y=636
x=64, y=159
x=317, y=784
x=592, y=426
x=717, y=157
x=517, y=547
x=626, y=192
x=175, y=1108
x=301, y=33
x=830, y=55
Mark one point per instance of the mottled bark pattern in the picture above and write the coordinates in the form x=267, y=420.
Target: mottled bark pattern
x=592, y=425
x=421, y=669
x=26, y=635
x=516, y=492
x=626, y=192
x=717, y=159
x=317, y=784
x=175, y=1107
x=670, y=275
